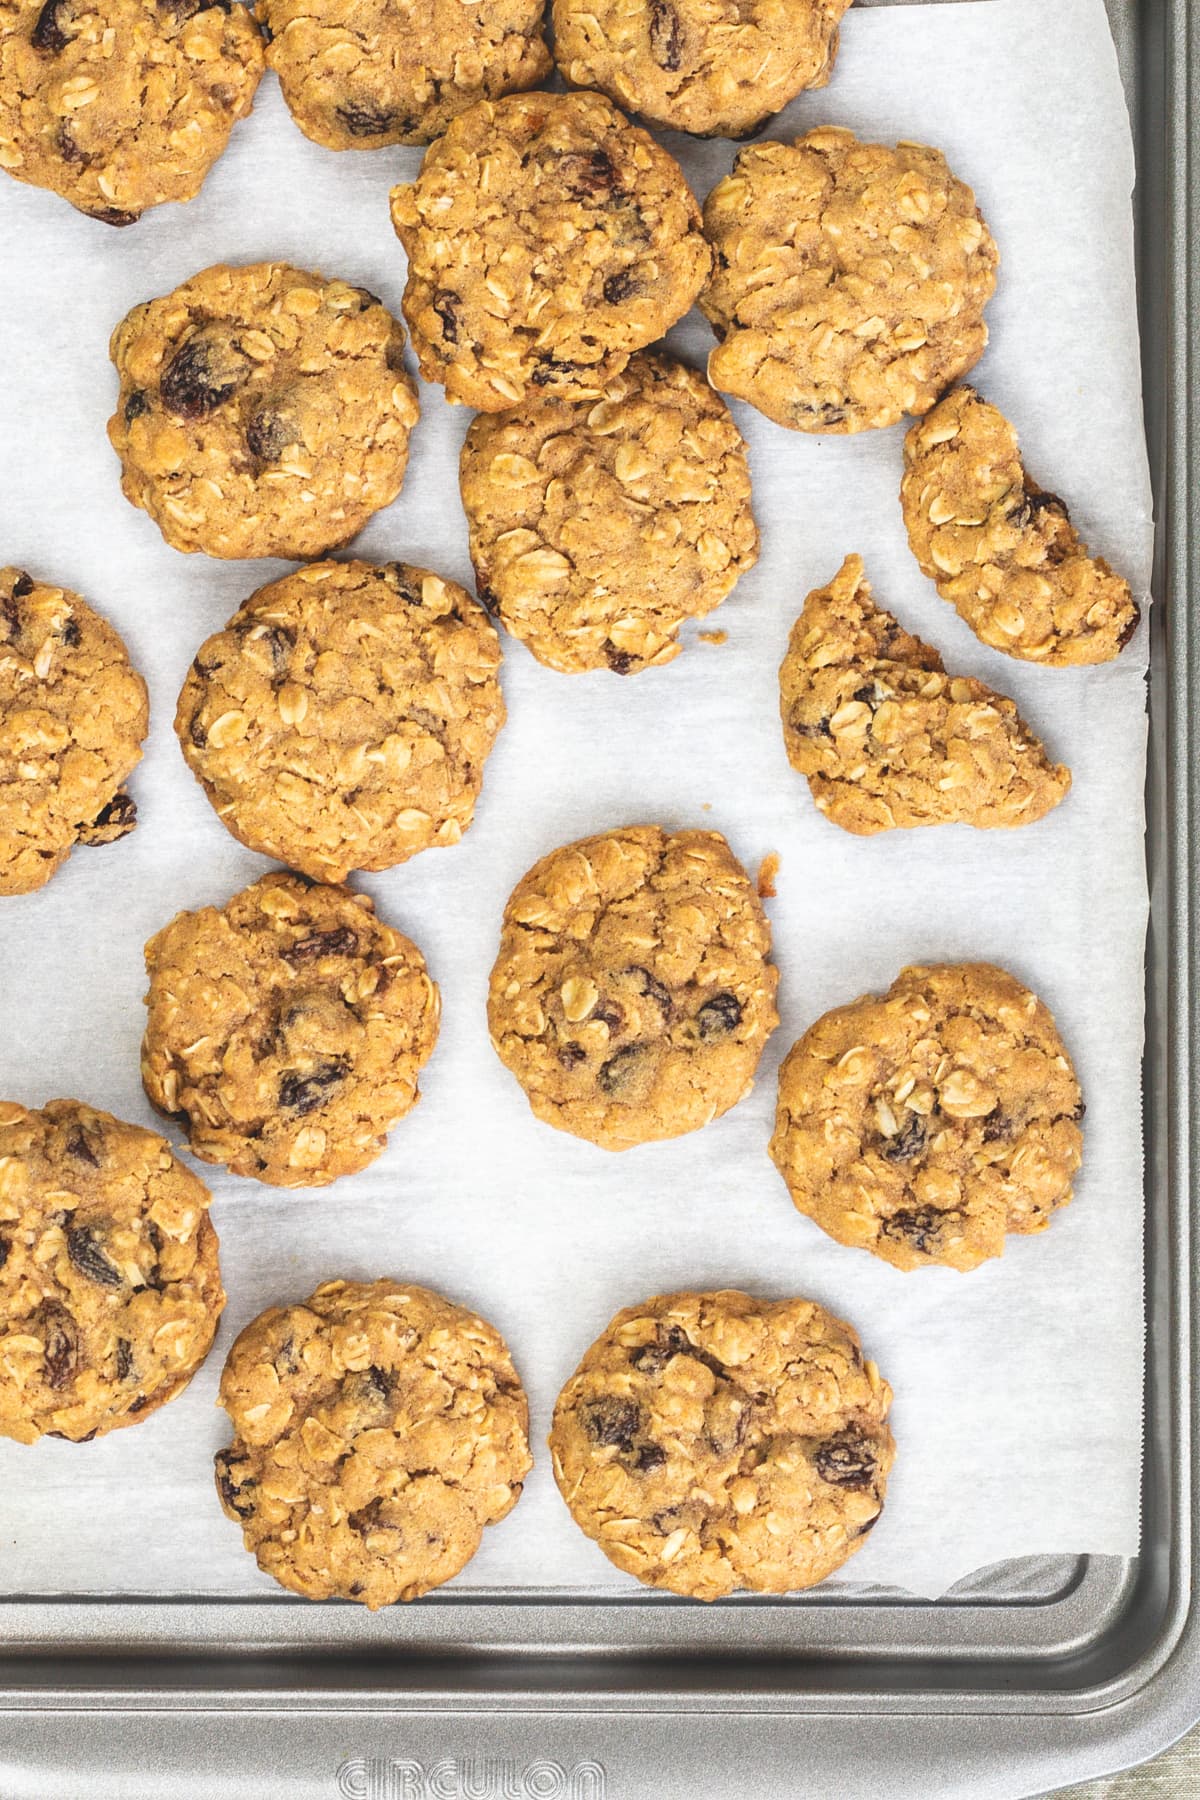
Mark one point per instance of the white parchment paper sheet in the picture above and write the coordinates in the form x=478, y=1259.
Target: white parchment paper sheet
x=1018, y=1387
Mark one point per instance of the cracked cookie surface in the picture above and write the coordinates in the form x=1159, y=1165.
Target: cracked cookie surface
x=73, y=714
x=849, y=280
x=547, y=239
x=887, y=739
x=709, y=1442
x=286, y=1030
x=632, y=995
x=118, y=105
x=342, y=718
x=926, y=1123
x=110, y=1291
x=263, y=411
x=378, y=1429
x=1002, y=550
x=597, y=528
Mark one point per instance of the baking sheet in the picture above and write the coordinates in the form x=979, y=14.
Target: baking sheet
x=1018, y=1387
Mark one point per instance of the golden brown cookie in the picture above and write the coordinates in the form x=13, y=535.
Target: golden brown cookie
x=109, y=1286
x=263, y=411
x=925, y=1124
x=632, y=995
x=849, y=280
x=598, y=527
x=887, y=738
x=378, y=1428
x=118, y=105
x=73, y=714
x=1001, y=549
x=547, y=240
x=286, y=1030
x=709, y=1442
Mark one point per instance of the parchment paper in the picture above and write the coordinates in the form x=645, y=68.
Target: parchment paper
x=1018, y=1387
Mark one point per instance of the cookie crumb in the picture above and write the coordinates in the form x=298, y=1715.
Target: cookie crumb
x=768, y=869
x=713, y=637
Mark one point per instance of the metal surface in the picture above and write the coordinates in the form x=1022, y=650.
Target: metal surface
x=1045, y=1674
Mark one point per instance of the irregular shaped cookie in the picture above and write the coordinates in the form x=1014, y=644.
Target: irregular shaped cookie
x=709, y=1442
x=1001, y=549
x=343, y=717
x=632, y=995
x=547, y=240
x=286, y=1030
x=887, y=738
x=263, y=411
x=378, y=1428
x=122, y=104
x=73, y=714
x=926, y=1124
x=109, y=1286
x=718, y=68
x=358, y=74
x=849, y=280
x=597, y=528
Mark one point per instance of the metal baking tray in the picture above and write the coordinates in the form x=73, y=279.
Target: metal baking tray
x=1026, y=1678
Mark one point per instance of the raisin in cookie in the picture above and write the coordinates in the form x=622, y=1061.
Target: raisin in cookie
x=632, y=995
x=286, y=1030
x=926, y=1124
x=887, y=738
x=378, y=1428
x=263, y=411
x=358, y=74
x=343, y=717
x=119, y=105
x=849, y=280
x=1001, y=549
x=597, y=528
x=718, y=68
x=547, y=240
x=73, y=714
x=709, y=1442
x=109, y=1286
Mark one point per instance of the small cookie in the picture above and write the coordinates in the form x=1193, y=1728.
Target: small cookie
x=343, y=717
x=887, y=738
x=378, y=1428
x=1001, y=549
x=122, y=105
x=263, y=411
x=286, y=1030
x=109, y=1286
x=358, y=74
x=547, y=240
x=717, y=68
x=632, y=995
x=849, y=280
x=926, y=1124
x=73, y=714
x=709, y=1442
x=597, y=528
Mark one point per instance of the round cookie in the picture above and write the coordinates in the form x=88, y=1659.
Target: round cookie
x=263, y=411
x=547, y=239
x=122, y=104
x=286, y=1030
x=849, y=280
x=110, y=1290
x=378, y=1428
x=632, y=995
x=342, y=718
x=926, y=1124
x=709, y=1442
x=718, y=68
x=358, y=74
x=73, y=714
x=598, y=527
